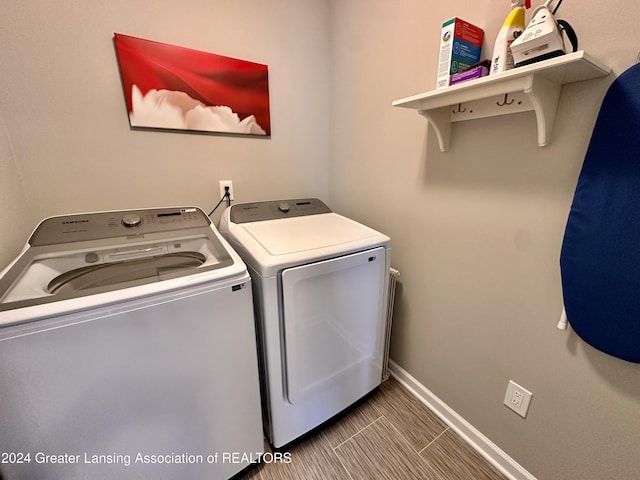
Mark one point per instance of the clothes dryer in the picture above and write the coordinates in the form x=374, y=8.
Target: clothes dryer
x=320, y=283
x=127, y=350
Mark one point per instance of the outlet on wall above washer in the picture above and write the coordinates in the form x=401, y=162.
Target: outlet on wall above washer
x=226, y=183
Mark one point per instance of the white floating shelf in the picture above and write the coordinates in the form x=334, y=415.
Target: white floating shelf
x=534, y=87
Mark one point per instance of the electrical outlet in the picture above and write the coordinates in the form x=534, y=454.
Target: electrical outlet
x=226, y=183
x=517, y=398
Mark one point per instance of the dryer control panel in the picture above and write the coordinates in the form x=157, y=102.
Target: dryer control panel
x=276, y=209
x=104, y=225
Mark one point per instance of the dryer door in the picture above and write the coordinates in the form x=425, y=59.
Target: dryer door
x=333, y=314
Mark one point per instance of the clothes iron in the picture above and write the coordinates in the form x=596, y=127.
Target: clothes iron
x=542, y=38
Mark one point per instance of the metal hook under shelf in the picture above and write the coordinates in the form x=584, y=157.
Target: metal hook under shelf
x=460, y=109
x=505, y=102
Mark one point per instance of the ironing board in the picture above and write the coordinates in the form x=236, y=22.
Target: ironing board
x=600, y=257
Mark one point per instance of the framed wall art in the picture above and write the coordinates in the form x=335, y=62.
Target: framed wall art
x=176, y=88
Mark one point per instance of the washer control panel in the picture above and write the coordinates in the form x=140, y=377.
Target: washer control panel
x=277, y=209
x=103, y=225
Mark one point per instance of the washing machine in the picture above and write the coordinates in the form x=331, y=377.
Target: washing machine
x=127, y=350
x=320, y=283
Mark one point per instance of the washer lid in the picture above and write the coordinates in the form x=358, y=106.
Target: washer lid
x=98, y=255
x=303, y=234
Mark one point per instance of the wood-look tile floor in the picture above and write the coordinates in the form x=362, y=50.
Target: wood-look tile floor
x=392, y=436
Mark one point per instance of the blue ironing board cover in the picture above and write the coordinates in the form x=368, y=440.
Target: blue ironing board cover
x=600, y=257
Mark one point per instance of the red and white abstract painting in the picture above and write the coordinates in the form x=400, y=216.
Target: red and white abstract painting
x=177, y=88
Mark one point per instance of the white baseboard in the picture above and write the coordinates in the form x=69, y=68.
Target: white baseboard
x=485, y=447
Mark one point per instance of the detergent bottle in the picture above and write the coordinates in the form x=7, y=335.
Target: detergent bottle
x=512, y=28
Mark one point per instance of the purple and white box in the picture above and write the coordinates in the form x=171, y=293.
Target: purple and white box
x=469, y=74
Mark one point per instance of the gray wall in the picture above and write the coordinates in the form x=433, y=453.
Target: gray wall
x=13, y=200
x=67, y=125
x=477, y=232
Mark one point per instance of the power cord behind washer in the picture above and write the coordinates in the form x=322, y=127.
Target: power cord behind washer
x=226, y=195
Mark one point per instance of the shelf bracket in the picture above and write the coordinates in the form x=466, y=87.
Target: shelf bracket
x=544, y=95
x=440, y=120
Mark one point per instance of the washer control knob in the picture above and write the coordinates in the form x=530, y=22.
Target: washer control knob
x=131, y=220
x=91, y=257
x=284, y=207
